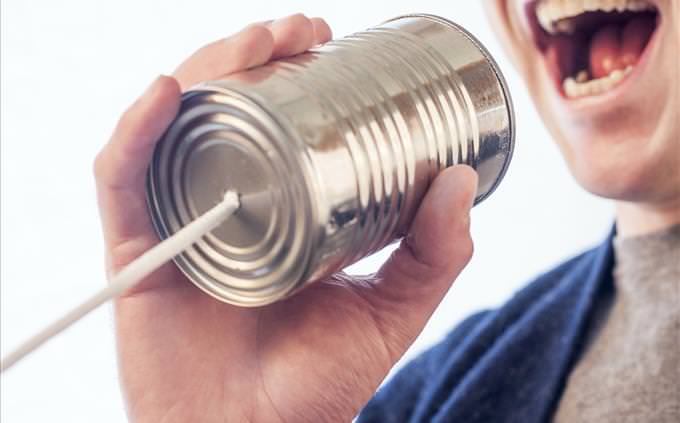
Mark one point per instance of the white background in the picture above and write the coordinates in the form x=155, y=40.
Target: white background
x=70, y=68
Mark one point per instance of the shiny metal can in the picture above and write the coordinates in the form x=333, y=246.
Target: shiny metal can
x=331, y=152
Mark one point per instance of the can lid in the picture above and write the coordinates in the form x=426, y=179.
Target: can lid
x=222, y=140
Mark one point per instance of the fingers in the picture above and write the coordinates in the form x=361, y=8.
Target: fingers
x=419, y=273
x=255, y=45
x=251, y=47
x=120, y=168
x=292, y=35
x=296, y=34
x=322, y=32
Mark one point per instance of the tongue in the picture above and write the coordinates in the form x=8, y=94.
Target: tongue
x=613, y=47
x=636, y=35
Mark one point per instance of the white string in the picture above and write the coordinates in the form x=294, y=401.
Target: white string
x=132, y=274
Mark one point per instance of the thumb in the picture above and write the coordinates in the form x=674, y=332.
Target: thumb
x=416, y=277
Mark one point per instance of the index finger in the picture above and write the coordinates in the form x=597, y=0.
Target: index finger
x=255, y=45
x=251, y=47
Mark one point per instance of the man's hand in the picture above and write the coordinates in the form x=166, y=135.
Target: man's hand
x=318, y=356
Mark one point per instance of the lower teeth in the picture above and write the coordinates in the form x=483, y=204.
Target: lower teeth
x=580, y=86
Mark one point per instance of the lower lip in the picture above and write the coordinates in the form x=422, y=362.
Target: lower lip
x=592, y=101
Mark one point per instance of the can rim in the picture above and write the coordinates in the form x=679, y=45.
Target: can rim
x=229, y=295
x=499, y=76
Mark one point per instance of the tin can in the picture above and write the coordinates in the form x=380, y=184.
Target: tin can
x=331, y=152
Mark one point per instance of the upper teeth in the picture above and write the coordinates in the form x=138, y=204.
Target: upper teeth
x=551, y=12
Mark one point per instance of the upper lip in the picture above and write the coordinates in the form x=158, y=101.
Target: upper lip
x=551, y=13
x=547, y=18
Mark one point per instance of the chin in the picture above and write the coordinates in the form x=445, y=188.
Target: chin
x=621, y=181
x=628, y=154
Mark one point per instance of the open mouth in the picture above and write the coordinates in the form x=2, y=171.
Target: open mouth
x=592, y=46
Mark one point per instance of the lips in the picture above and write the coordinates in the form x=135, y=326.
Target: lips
x=592, y=46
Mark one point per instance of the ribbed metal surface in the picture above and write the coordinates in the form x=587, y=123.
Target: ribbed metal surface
x=331, y=150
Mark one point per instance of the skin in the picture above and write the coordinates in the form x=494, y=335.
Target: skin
x=625, y=147
x=318, y=356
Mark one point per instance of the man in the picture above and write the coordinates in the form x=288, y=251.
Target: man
x=596, y=339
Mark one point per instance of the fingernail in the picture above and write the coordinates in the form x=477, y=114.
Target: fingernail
x=456, y=182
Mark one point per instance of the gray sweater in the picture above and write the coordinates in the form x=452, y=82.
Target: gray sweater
x=630, y=368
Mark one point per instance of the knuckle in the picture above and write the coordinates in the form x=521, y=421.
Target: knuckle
x=101, y=161
x=461, y=226
x=128, y=118
x=99, y=165
x=257, y=29
x=257, y=34
x=418, y=259
x=168, y=84
x=296, y=29
x=299, y=19
x=302, y=27
x=255, y=38
x=461, y=238
x=407, y=263
x=466, y=248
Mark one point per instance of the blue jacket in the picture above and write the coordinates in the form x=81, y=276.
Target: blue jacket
x=505, y=365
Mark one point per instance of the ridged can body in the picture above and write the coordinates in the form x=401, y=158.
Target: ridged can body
x=331, y=152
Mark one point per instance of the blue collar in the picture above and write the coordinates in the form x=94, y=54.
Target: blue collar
x=514, y=364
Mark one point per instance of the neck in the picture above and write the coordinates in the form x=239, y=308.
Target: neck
x=633, y=219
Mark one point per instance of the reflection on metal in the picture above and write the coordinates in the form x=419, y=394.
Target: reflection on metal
x=331, y=152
